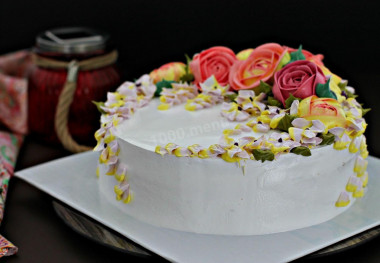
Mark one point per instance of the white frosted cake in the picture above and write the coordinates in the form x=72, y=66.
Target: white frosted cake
x=265, y=141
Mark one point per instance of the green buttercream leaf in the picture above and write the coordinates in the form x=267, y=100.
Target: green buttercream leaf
x=301, y=150
x=343, y=84
x=265, y=88
x=231, y=97
x=323, y=90
x=286, y=122
x=263, y=155
x=365, y=111
x=187, y=77
x=188, y=59
x=289, y=101
x=327, y=139
x=99, y=105
x=273, y=102
x=163, y=84
x=350, y=95
x=297, y=55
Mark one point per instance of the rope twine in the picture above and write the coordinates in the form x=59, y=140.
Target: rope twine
x=66, y=97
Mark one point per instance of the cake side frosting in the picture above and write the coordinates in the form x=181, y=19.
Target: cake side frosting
x=261, y=143
x=216, y=197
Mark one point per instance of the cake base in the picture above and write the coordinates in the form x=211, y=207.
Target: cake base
x=95, y=231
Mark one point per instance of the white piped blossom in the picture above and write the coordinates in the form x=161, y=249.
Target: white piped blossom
x=233, y=112
x=178, y=94
x=212, y=94
x=305, y=132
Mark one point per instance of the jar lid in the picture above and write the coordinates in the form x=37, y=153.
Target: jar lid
x=72, y=40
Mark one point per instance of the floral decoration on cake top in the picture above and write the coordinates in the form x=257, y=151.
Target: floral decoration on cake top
x=263, y=89
x=287, y=96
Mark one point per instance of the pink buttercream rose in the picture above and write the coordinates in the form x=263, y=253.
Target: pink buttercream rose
x=215, y=61
x=299, y=78
x=261, y=64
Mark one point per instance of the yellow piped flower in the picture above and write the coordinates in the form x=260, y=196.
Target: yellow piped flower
x=360, y=166
x=112, y=171
x=276, y=149
x=119, y=177
x=354, y=145
x=160, y=150
x=121, y=191
x=118, y=100
x=109, y=138
x=170, y=147
x=194, y=149
x=128, y=199
x=276, y=120
x=229, y=159
x=340, y=145
x=351, y=187
x=342, y=203
x=181, y=152
x=364, y=179
x=190, y=107
x=264, y=119
x=203, y=154
x=358, y=193
x=343, y=200
x=163, y=106
x=251, y=123
x=118, y=192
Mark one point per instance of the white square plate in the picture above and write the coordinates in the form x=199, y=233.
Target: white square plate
x=73, y=181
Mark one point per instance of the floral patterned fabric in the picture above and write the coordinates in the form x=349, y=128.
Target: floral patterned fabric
x=14, y=69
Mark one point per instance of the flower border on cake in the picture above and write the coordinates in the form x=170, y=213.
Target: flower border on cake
x=270, y=87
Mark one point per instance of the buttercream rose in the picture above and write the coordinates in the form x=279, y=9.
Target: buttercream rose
x=170, y=71
x=259, y=66
x=298, y=78
x=328, y=111
x=317, y=59
x=215, y=61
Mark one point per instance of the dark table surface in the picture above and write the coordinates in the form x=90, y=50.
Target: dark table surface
x=31, y=223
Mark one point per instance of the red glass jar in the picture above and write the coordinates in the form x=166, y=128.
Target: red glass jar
x=46, y=84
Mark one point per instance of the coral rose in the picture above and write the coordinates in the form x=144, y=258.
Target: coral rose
x=328, y=111
x=215, y=61
x=298, y=78
x=259, y=66
x=170, y=71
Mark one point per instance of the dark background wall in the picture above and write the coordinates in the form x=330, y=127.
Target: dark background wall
x=150, y=33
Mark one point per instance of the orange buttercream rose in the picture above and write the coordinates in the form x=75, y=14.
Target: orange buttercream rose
x=170, y=71
x=328, y=111
x=261, y=64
